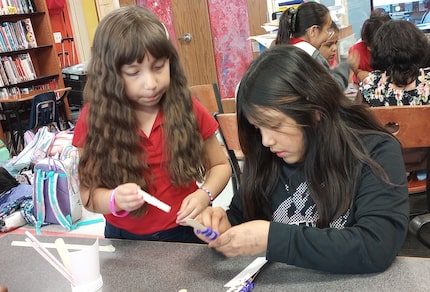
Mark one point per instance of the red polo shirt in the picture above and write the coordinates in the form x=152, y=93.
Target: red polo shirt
x=364, y=53
x=155, y=220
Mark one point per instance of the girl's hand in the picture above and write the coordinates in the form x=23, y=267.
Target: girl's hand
x=214, y=218
x=192, y=205
x=127, y=197
x=249, y=238
x=354, y=61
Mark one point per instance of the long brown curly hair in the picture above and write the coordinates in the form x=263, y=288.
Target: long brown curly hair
x=112, y=153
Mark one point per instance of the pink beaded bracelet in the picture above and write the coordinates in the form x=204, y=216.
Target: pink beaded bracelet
x=112, y=206
x=211, y=198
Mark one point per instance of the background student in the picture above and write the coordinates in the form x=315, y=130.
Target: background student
x=325, y=187
x=308, y=27
x=329, y=48
x=362, y=47
x=399, y=52
x=140, y=129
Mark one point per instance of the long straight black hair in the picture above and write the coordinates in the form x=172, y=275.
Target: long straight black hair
x=286, y=79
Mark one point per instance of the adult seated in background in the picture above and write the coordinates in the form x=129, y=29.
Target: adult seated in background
x=362, y=47
x=399, y=52
x=307, y=27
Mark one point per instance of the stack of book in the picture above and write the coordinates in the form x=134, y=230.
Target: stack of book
x=17, y=35
x=16, y=7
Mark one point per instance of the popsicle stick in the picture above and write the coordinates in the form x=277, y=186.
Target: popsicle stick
x=201, y=229
x=105, y=248
x=154, y=201
x=48, y=256
x=63, y=252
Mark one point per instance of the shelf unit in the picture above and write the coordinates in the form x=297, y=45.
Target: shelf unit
x=44, y=56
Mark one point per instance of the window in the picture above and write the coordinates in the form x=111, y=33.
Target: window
x=413, y=11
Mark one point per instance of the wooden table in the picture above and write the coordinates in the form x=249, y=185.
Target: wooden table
x=162, y=266
x=60, y=92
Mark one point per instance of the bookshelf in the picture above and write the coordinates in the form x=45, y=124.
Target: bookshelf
x=42, y=56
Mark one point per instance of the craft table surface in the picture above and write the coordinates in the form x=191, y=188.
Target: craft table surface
x=162, y=266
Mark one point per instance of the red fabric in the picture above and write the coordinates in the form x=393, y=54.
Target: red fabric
x=364, y=64
x=294, y=41
x=55, y=6
x=155, y=220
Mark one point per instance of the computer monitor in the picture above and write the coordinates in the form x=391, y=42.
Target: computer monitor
x=417, y=12
x=413, y=11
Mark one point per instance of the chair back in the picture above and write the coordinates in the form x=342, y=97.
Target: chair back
x=228, y=128
x=44, y=110
x=208, y=95
x=230, y=136
x=229, y=105
x=410, y=124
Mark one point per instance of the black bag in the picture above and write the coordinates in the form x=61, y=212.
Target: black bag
x=7, y=181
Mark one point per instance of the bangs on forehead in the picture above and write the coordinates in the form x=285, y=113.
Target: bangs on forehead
x=258, y=116
x=157, y=44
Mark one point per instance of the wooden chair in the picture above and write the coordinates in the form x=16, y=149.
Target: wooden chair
x=208, y=95
x=44, y=110
x=228, y=105
x=63, y=107
x=229, y=134
x=411, y=125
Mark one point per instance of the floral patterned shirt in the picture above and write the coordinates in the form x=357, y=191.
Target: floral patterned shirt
x=377, y=90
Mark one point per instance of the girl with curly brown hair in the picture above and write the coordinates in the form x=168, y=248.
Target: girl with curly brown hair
x=141, y=130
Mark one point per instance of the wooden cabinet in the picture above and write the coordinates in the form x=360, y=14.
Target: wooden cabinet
x=47, y=71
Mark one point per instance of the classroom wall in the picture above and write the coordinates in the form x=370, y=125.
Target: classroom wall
x=230, y=32
x=60, y=22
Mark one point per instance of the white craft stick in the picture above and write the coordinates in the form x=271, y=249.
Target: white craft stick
x=64, y=253
x=154, y=201
x=239, y=284
x=60, y=268
x=250, y=270
x=195, y=224
x=105, y=248
x=208, y=232
x=49, y=257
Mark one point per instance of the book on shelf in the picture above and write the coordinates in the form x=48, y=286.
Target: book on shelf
x=26, y=64
x=10, y=72
x=10, y=36
x=29, y=32
x=17, y=35
x=20, y=35
x=11, y=92
x=5, y=39
x=30, y=5
x=15, y=7
x=3, y=75
x=3, y=45
x=1, y=78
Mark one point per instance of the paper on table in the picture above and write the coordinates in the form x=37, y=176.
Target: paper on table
x=85, y=266
x=104, y=248
x=264, y=39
